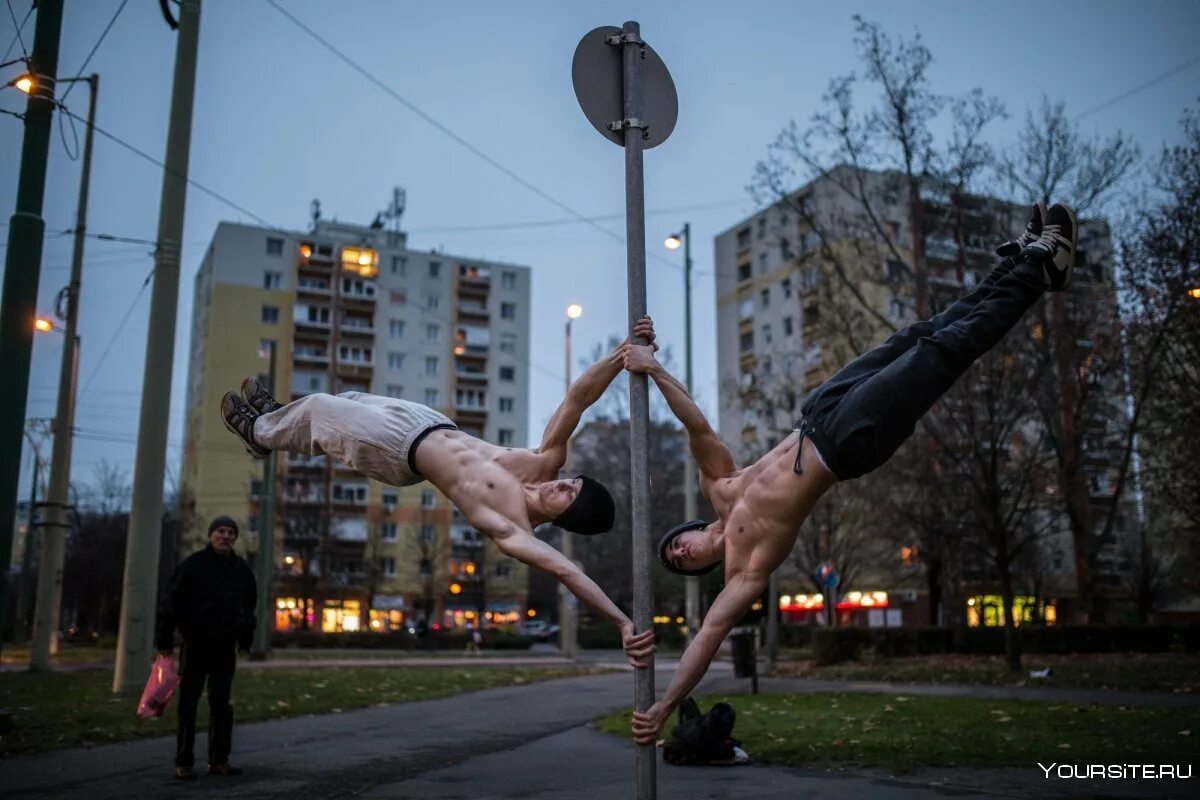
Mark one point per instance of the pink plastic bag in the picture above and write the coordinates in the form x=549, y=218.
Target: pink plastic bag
x=164, y=679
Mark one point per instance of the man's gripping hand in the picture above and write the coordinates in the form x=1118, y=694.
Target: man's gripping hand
x=647, y=724
x=639, y=647
x=644, y=329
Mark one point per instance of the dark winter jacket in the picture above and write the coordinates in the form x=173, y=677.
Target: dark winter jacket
x=210, y=599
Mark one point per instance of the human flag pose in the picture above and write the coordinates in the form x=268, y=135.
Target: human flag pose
x=849, y=426
x=503, y=492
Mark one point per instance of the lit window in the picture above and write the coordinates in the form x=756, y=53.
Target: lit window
x=362, y=260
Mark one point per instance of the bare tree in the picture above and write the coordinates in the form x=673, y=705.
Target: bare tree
x=1079, y=403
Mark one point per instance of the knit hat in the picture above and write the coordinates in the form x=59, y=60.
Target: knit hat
x=223, y=521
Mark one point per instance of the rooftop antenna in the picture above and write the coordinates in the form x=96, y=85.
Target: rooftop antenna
x=395, y=209
x=314, y=210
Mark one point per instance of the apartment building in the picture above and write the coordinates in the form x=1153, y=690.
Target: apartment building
x=352, y=308
x=804, y=285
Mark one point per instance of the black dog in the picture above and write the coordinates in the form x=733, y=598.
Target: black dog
x=703, y=739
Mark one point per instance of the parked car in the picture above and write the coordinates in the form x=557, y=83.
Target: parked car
x=538, y=630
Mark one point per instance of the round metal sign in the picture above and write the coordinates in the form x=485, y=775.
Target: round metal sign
x=597, y=75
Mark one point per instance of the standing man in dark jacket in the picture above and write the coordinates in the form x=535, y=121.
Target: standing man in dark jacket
x=210, y=599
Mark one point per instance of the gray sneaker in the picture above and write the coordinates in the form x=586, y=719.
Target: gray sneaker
x=254, y=393
x=239, y=418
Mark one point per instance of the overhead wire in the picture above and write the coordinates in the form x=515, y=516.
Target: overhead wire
x=95, y=47
x=20, y=27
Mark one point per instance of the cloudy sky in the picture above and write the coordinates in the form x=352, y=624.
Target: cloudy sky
x=279, y=120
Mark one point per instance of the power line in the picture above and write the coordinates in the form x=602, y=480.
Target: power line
x=360, y=69
x=503, y=226
x=19, y=28
x=117, y=332
x=190, y=181
x=1156, y=79
x=95, y=47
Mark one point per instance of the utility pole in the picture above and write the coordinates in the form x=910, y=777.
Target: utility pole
x=22, y=268
x=135, y=640
x=691, y=583
x=264, y=562
x=567, y=616
x=54, y=530
x=20, y=626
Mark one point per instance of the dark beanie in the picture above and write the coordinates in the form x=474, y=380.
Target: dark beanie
x=665, y=542
x=591, y=512
x=228, y=522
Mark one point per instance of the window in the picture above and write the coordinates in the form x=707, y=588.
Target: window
x=746, y=308
x=506, y=405
x=397, y=297
x=274, y=246
x=762, y=227
x=431, y=366
x=508, y=280
x=272, y=280
x=428, y=498
x=396, y=328
x=897, y=309
x=270, y=314
x=435, y=269
x=743, y=238
x=785, y=249
x=428, y=534
x=433, y=301
x=395, y=390
x=395, y=361
x=895, y=270
x=388, y=566
x=762, y=263
x=425, y=568
x=766, y=334
x=431, y=397
x=508, y=311
x=387, y=533
x=746, y=342
x=812, y=315
x=432, y=332
x=505, y=436
x=786, y=285
x=400, y=265
x=764, y=298
x=787, y=326
x=508, y=373
x=508, y=343
x=744, y=271
x=810, y=277
x=504, y=570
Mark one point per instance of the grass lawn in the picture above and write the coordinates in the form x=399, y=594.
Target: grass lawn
x=1167, y=672
x=67, y=654
x=900, y=733
x=73, y=709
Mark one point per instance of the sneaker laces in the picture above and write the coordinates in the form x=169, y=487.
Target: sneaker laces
x=243, y=418
x=1028, y=236
x=1052, y=238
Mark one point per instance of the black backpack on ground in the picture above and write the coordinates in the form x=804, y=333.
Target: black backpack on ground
x=702, y=739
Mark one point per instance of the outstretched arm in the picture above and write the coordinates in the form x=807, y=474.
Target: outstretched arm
x=528, y=549
x=731, y=605
x=712, y=456
x=585, y=391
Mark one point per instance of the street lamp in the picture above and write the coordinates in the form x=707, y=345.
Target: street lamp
x=44, y=325
x=24, y=83
x=1194, y=293
x=49, y=596
x=691, y=584
x=566, y=601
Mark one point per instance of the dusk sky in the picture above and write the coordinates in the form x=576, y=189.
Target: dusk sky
x=279, y=120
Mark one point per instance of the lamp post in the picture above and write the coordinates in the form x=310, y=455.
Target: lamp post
x=54, y=527
x=49, y=599
x=567, y=627
x=691, y=584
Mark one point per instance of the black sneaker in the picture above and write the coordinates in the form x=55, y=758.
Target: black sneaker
x=239, y=418
x=1028, y=236
x=1055, y=249
x=254, y=393
x=224, y=769
x=185, y=773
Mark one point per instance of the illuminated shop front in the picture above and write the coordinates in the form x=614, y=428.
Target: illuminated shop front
x=341, y=616
x=988, y=611
x=872, y=607
x=290, y=613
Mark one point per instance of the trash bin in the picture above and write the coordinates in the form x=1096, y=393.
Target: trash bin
x=745, y=659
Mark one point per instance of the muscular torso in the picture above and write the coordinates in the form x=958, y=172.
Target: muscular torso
x=486, y=482
x=762, y=506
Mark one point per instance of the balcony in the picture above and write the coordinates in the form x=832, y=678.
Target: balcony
x=312, y=325
x=310, y=357
x=302, y=461
x=473, y=311
x=307, y=286
x=465, y=374
x=353, y=328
